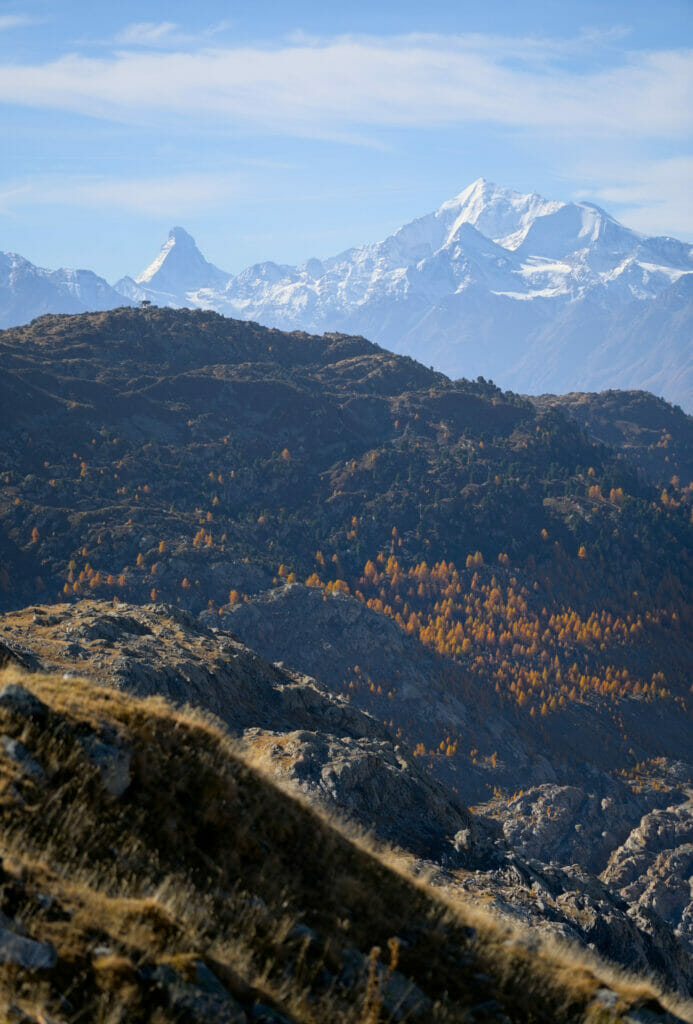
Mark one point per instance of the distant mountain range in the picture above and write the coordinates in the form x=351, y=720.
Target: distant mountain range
x=27, y=291
x=537, y=294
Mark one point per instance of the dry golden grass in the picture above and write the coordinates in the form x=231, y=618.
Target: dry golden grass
x=205, y=861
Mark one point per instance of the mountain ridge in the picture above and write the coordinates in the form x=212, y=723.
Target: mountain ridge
x=540, y=295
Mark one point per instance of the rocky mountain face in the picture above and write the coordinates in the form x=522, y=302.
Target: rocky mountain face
x=653, y=868
x=160, y=650
x=27, y=291
x=476, y=600
x=537, y=294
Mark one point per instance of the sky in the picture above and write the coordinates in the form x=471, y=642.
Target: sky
x=283, y=131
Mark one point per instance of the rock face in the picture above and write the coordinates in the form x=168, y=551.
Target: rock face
x=653, y=870
x=570, y=903
x=17, y=656
x=22, y=952
x=112, y=761
x=196, y=995
x=570, y=824
x=17, y=699
x=17, y=752
x=378, y=784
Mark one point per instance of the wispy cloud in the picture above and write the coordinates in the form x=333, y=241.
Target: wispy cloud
x=166, y=197
x=147, y=33
x=599, y=112
x=10, y=21
x=166, y=35
x=365, y=84
x=654, y=196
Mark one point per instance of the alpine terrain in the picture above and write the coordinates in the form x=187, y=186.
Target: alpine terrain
x=449, y=615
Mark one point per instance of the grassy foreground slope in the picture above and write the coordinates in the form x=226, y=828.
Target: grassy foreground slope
x=148, y=874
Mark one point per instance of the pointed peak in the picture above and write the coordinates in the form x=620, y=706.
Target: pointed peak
x=178, y=239
x=479, y=194
x=180, y=265
x=180, y=236
x=501, y=214
x=481, y=187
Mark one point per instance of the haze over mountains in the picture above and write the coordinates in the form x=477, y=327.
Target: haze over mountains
x=537, y=294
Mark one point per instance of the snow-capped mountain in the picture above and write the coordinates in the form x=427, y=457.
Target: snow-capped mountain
x=539, y=295
x=27, y=291
x=177, y=275
x=528, y=291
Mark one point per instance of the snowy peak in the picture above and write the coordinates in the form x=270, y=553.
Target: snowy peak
x=500, y=214
x=512, y=221
x=180, y=268
x=27, y=291
x=533, y=226
x=179, y=247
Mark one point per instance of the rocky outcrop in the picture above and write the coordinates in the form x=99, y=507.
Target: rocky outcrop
x=17, y=752
x=653, y=870
x=20, y=701
x=379, y=785
x=573, y=824
x=337, y=754
x=158, y=649
x=112, y=759
x=571, y=904
x=25, y=953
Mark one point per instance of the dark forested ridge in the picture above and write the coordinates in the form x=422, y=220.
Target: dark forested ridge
x=652, y=434
x=164, y=423
x=177, y=455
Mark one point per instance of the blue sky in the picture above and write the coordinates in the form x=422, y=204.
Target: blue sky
x=283, y=131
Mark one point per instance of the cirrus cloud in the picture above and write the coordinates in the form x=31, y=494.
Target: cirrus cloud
x=363, y=84
x=165, y=196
